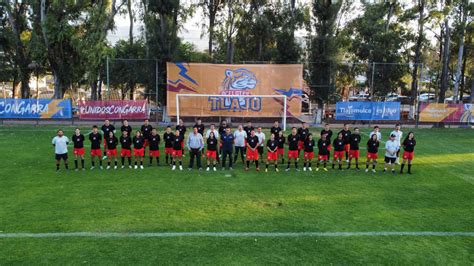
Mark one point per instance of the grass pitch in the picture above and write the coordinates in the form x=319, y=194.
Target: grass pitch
x=438, y=197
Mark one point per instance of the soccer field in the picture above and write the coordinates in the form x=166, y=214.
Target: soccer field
x=337, y=217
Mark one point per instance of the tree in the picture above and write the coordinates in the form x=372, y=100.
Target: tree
x=463, y=15
x=211, y=8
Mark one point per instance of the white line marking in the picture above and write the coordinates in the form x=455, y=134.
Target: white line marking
x=231, y=234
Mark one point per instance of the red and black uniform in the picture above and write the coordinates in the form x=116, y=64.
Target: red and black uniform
x=112, y=146
x=126, y=144
x=106, y=129
x=252, y=154
x=154, y=143
x=272, y=147
x=200, y=128
x=372, y=149
x=182, y=132
x=281, y=144
x=211, y=151
x=328, y=134
x=346, y=136
x=293, y=141
x=303, y=133
x=354, y=141
x=323, y=152
x=146, y=132
x=409, y=149
x=248, y=129
x=309, y=149
x=338, y=148
x=126, y=128
x=168, y=138
x=177, y=146
x=96, y=139
x=138, y=146
x=78, y=144
x=275, y=131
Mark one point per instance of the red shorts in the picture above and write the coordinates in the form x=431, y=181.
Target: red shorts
x=96, y=152
x=281, y=151
x=408, y=155
x=347, y=147
x=308, y=155
x=126, y=153
x=177, y=153
x=211, y=154
x=300, y=145
x=252, y=155
x=338, y=155
x=168, y=150
x=78, y=151
x=272, y=156
x=292, y=154
x=139, y=152
x=145, y=143
x=182, y=144
x=112, y=153
x=372, y=155
x=354, y=154
x=322, y=157
x=329, y=147
x=155, y=153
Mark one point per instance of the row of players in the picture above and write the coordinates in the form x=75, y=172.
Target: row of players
x=245, y=140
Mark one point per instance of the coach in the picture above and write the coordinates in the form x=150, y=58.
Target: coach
x=227, y=141
x=195, y=146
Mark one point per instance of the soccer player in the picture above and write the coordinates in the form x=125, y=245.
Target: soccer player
x=95, y=138
x=112, y=142
x=154, y=150
x=227, y=141
x=338, y=156
x=372, y=152
x=391, y=148
x=252, y=150
x=327, y=130
x=303, y=132
x=272, y=152
x=239, y=139
x=211, y=152
x=60, y=143
x=168, y=137
x=293, y=140
x=398, y=138
x=261, y=142
x=200, y=126
x=346, y=136
x=409, y=151
x=222, y=128
x=106, y=128
x=308, y=152
x=126, y=151
x=376, y=131
x=182, y=129
x=323, y=152
x=138, y=148
x=78, y=140
x=354, y=152
x=248, y=128
x=212, y=128
x=145, y=131
x=281, y=146
x=275, y=128
x=177, y=152
x=126, y=127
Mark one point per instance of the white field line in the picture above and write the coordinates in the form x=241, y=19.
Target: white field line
x=233, y=234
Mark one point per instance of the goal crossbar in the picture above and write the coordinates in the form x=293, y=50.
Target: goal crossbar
x=233, y=96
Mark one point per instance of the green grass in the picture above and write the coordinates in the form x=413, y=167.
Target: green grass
x=438, y=197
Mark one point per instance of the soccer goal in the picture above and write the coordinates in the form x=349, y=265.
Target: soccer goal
x=203, y=105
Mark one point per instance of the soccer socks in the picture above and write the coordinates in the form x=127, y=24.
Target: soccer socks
x=75, y=163
x=141, y=163
x=256, y=163
x=108, y=163
x=166, y=158
x=129, y=161
x=57, y=167
x=333, y=165
x=367, y=165
x=100, y=162
x=288, y=166
x=93, y=163
x=248, y=164
x=82, y=163
x=296, y=165
x=409, y=168
x=123, y=160
x=266, y=166
x=115, y=162
x=324, y=164
x=401, y=168
x=66, y=165
x=304, y=164
x=151, y=160
x=282, y=160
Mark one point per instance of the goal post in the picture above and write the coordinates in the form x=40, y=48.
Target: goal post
x=229, y=98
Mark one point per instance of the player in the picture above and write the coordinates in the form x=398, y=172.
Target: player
x=372, y=152
x=339, y=150
x=281, y=146
x=112, y=142
x=222, y=128
x=78, y=140
x=154, y=150
x=126, y=151
x=303, y=132
x=354, y=152
x=60, y=143
x=168, y=137
x=248, y=128
x=211, y=152
x=398, y=138
x=106, y=128
x=217, y=134
x=308, y=152
x=95, y=138
x=391, y=148
x=293, y=140
x=409, y=151
x=272, y=152
x=261, y=142
x=126, y=127
x=323, y=151
x=200, y=126
x=275, y=130
x=138, y=148
x=327, y=130
x=346, y=136
x=252, y=150
x=177, y=152
x=182, y=129
x=376, y=131
x=145, y=131
x=239, y=142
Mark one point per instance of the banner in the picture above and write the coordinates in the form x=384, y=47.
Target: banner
x=35, y=109
x=446, y=112
x=235, y=80
x=113, y=109
x=368, y=111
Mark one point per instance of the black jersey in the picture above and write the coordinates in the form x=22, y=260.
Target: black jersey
x=328, y=134
x=303, y=132
x=212, y=144
x=154, y=142
x=78, y=141
x=178, y=142
x=272, y=145
x=138, y=142
x=95, y=139
x=222, y=130
x=309, y=145
x=338, y=144
x=281, y=142
x=126, y=128
x=354, y=141
x=181, y=129
x=168, y=138
x=146, y=130
x=293, y=142
x=252, y=141
x=112, y=143
x=106, y=129
x=126, y=142
x=275, y=130
x=248, y=129
x=346, y=135
x=373, y=146
x=200, y=128
x=323, y=147
x=409, y=145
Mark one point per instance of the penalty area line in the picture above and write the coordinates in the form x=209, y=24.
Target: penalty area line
x=233, y=234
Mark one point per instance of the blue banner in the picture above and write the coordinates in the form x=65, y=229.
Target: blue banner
x=35, y=109
x=368, y=111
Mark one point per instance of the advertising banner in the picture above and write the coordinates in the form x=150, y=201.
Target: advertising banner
x=113, y=109
x=446, y=112
x=368, y=111
x=35, y=109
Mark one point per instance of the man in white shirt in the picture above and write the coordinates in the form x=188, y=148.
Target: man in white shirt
x=60, y=149
x=213, y=129
x=239, y=138
x=398, y=138
x=376, y=132
x=261, y=142
x=391, y=148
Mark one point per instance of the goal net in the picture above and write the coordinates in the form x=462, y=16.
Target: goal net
x=215, y=105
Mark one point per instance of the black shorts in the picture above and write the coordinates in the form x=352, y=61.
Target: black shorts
x=390, y=160
x=61, y=156
x=260, y=149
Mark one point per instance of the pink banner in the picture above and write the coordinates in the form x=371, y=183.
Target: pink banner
x=113, y=110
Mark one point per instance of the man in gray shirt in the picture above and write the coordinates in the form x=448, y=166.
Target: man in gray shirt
x=195, y=146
